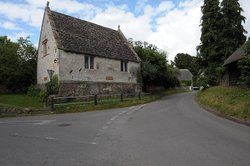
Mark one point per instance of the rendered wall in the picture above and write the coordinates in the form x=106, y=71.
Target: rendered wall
x=50, y=61
x=105, y=70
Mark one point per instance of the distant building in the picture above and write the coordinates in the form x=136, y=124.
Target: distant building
x=231, y=77
x=88, y=58
x=185, y=77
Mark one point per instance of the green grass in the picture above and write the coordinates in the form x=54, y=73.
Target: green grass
x=24, y=101
x=20, y=101
x=230, y=101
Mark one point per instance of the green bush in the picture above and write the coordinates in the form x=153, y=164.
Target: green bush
x=244, y=65
x=43, y=95
x=186, y=83
x=51, y=88
x=33, y=91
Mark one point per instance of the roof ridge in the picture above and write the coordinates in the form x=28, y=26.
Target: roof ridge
x=83, y=20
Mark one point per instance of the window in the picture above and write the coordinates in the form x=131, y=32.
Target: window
x=124, y=66
x=89, y=62
x=45, y=47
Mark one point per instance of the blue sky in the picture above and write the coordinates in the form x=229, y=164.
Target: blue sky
x=172, y=25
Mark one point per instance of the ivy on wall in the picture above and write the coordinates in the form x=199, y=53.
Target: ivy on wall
x=244, y=65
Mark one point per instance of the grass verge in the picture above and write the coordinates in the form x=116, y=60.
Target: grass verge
x=24, y=101
x=229, y=101
x=20, y=101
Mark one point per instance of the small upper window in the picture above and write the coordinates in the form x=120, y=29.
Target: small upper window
x=45, y=51
x=124, y=66
x=89, y=62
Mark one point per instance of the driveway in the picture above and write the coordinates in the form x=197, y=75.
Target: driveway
x=173, y=131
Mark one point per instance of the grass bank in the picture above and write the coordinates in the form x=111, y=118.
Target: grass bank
x=24, y=101
x=229, y=101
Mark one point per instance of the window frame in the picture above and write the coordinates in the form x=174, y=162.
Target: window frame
x=89, y=62
x=124, y=66
x=45, y=49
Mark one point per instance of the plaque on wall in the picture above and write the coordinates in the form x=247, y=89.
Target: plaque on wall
x=109, y=78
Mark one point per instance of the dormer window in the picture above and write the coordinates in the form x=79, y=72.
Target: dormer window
x=89, y=62
x=45, y=52
x=124, y=66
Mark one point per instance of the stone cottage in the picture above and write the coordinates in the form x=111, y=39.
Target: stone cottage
x=86, y=57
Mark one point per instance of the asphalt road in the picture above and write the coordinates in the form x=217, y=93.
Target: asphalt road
x=173, y=131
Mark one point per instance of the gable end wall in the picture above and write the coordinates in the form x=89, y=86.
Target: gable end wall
x=50, y=61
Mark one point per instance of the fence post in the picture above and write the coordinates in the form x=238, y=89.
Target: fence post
x=121, y=97
x=52, y=103
x=95, y=99
x=139, y=95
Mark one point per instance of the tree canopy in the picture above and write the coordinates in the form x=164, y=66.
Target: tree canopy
x=17, y=64
x=154, y=70
x=233, y=31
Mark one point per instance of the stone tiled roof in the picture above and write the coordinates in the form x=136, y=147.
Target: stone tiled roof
x=237, y=55
x=185, y=74
x=79, y=36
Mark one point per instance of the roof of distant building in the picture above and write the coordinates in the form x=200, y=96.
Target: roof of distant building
x=185, y=74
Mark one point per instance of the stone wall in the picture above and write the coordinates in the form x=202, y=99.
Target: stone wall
x=49, y=60
x=82, y=88
x=105, y=69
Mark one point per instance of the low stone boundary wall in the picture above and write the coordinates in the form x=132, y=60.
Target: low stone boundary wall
x=80, y=88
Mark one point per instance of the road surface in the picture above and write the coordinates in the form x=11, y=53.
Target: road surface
x=173, y=131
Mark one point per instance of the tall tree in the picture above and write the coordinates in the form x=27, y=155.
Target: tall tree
x=232, y=32
x=209, y=50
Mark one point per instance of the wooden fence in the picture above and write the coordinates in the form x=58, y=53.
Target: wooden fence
x=93, y=99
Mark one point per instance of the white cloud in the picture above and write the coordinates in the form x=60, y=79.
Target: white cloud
x=171, y=27
x=178, y=30
x=135, y=27
x=246, y=13
x=31, y=12
x=15, y=36
x=165, y=6
x=9, y=26
x=23, y=12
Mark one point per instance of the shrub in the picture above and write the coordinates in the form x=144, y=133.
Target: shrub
x=51, y=88
x=33, y=91
x=43, y=95
x=244, y=65
x=186, y=83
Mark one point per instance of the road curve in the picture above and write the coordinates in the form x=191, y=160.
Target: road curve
x=173, y=131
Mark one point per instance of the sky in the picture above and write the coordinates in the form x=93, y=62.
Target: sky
x=171, y=25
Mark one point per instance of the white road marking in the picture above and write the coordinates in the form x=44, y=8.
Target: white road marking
x=99, y=134
x=109, y=122
x=104, y=127
x=43, y=122
x=114, y=117
x=34, y=122
x=93, y=143
x=51, y=138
